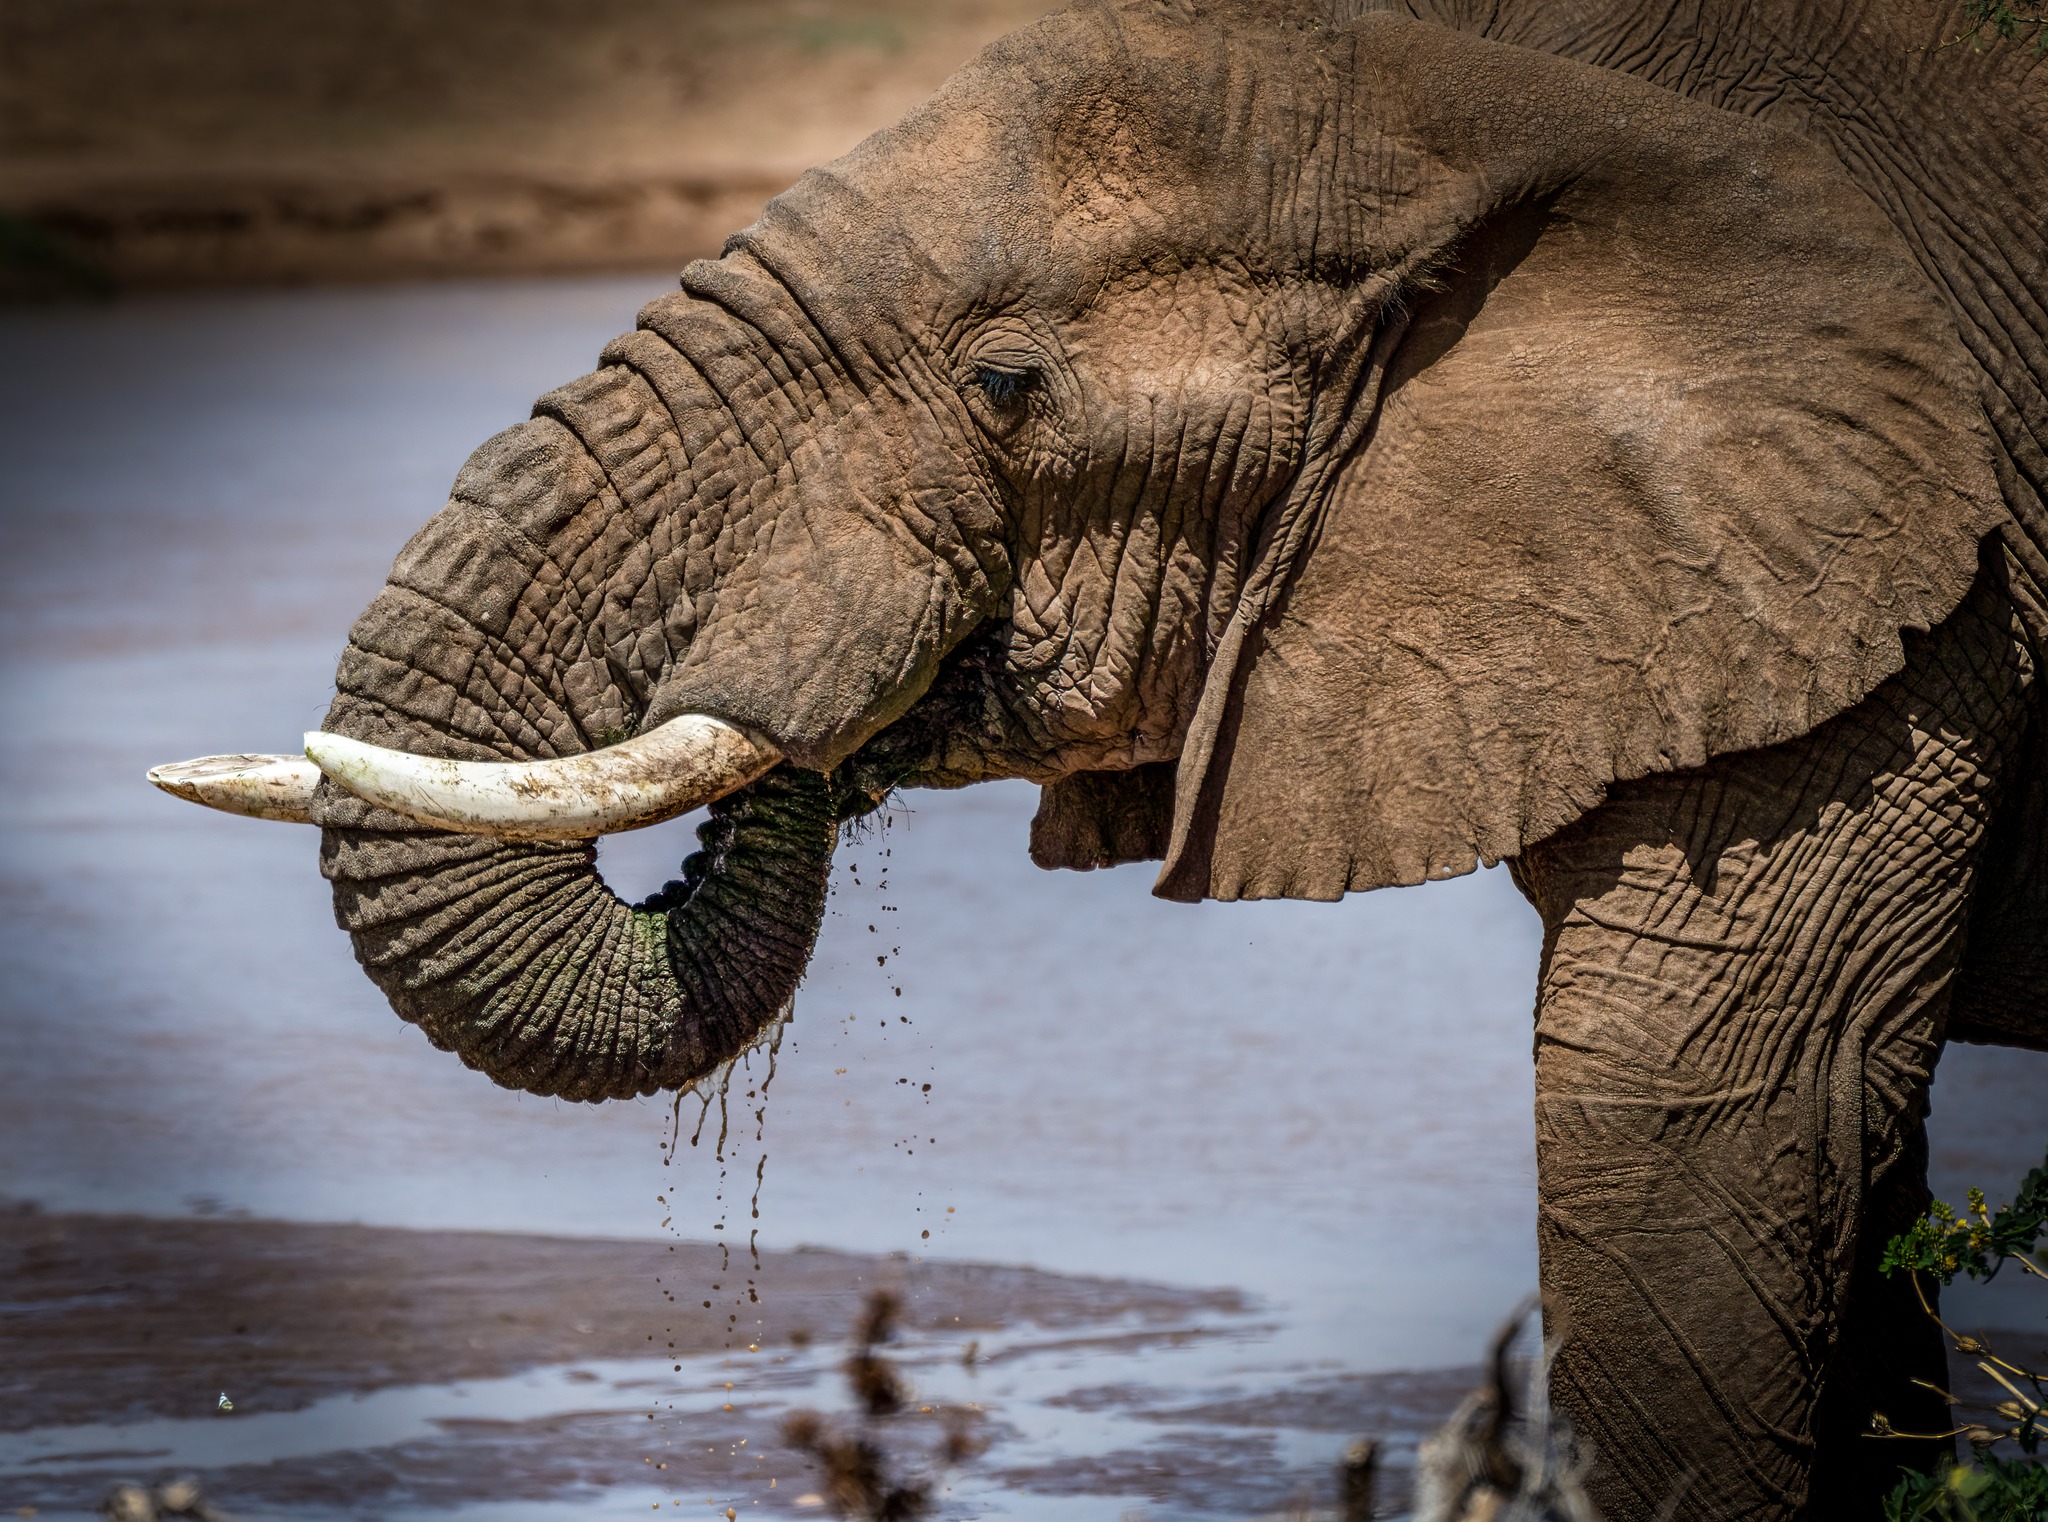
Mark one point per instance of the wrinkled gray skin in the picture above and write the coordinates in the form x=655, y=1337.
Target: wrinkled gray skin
x=1333, y=451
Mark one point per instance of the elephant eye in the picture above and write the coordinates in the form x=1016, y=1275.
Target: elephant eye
x=1003, y=387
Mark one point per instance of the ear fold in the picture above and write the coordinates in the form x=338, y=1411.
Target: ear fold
x=1663, y=468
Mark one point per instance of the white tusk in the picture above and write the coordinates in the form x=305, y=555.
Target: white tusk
x=673, y=768
x=262, y=787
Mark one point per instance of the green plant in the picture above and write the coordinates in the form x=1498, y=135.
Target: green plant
x=1978, y=1242
x=1989, y=1490
x=2000, y=20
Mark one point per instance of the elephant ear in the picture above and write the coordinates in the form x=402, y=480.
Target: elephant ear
x=1670, y=455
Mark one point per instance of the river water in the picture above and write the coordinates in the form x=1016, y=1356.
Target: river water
x=1325, y=1106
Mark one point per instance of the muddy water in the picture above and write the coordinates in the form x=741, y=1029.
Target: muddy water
x=1325, y=1107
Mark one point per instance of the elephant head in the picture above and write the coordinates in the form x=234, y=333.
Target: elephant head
x=1325, y=455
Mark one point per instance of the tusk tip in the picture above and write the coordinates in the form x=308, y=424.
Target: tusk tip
x=255, y=786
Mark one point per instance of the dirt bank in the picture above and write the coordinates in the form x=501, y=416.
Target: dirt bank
x=224, y=141
x=115, y=1318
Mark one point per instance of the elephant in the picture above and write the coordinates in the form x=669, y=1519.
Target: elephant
x=1325, y=446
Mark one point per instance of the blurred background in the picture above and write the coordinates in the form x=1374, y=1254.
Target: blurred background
x=224, y=141
x=1182, y=1199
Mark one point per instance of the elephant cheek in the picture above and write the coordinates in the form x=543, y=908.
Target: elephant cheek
x=837, y=627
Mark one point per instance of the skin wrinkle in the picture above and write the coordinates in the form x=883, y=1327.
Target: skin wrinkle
x=511, y=1026
x=726, y=400
x=1161, y=637
x=564, y=634
x=823, y=370
x=1142, y=584
x=1767, y=1245
x=569, y=930
x=772, y=374
x=465, y=689
x=699, y=469
x=1803, y=943
x=1983, y=283
x=396, y=713
x=498, y=876
x=531, y=702
x=927, y=634
x=1907, y=165
x=392, y=887
x=763, y=253
x=1088, y=604
x=453, y=946
x=553, y=1048
x=1196, y=592
x=1106, y=555
x=936, y=533
x=1106, y=675
x=1649, y=1439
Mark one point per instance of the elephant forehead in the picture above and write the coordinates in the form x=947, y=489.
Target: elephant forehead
x=1101, y=140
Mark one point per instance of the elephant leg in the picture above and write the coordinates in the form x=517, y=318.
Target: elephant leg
x=1745, y=979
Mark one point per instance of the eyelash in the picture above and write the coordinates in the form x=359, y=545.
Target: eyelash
x=1003, y=387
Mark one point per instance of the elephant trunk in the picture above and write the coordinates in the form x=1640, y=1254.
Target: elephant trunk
x=520, y=960
x=537, y=617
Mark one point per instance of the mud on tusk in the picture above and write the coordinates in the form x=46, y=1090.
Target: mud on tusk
x=262, y=787
x=673, y=768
